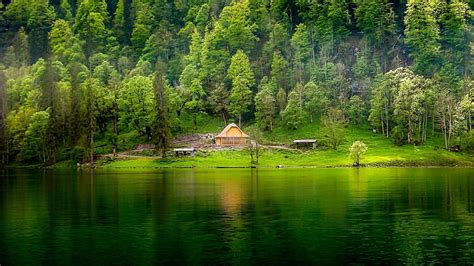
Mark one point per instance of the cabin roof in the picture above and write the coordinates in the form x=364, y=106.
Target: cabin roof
x=304, y=141
x=223, y=133
x=184, y=149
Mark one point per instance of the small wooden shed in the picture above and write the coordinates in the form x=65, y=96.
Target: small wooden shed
x=305, y=143
x=232, y=135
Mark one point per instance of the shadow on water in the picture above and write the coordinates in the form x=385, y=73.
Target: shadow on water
x=237, y=216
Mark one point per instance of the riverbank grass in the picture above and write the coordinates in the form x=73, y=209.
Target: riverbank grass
x=381, y=152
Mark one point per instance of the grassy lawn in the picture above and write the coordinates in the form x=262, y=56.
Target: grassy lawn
x=382, y=152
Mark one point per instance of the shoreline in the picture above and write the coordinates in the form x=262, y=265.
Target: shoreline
x=375, y=165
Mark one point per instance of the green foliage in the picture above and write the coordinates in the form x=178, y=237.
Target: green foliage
x=293, y=115
x=64, y=44
x=161, y=125
x=40, y=20
x=136, y=102
x=89, y=65
x=356, y=110
x=333, y=124
x=242, y=79
x=34, y=143
x=265, y=108
x=316, y=101
x=422, y=35
x=357, y=149
x=90, y=24
x=376, y=19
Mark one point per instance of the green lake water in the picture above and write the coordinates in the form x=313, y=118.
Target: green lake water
x=237, y=216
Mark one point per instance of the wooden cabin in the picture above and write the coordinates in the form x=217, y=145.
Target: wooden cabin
x=232, y=135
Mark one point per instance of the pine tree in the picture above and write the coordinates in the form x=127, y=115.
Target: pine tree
x=40, y=21
x=90, y=24
x=242, y=79
x=265, y=108
x=161, y=133
x=422, y=36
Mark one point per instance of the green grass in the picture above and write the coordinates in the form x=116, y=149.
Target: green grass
x=382, y=152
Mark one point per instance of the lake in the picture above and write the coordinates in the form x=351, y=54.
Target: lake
x=237, y=216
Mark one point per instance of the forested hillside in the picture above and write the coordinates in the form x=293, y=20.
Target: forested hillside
x=73, y=70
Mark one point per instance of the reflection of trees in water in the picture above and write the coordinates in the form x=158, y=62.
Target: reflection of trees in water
x=240, y=216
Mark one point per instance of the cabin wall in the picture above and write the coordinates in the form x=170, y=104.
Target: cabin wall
x=231, y=141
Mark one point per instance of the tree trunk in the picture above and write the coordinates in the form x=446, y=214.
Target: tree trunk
x=91, y=140
x=383, y=129
x=224, y=118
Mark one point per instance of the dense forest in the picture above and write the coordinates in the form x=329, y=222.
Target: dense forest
x=72, y=70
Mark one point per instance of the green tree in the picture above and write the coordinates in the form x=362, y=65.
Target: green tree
x=65, y=46
x=123, y=21
x=332, y=125
x=357, y=149
x=279, y=74
x=422, y=35
x=455, y=37
x=142, y=27
x=376, y=19
x=35, y=142
x=356, y=110
x=192, y=92
x=161, y=125
x=137, y=104
x=316, y=101
x=242, y=79
x=293, y=115
x=300, y=42
x=235, y=28
x=18, y=12
x=265, y=108
x=90, y=24
x=40, y=20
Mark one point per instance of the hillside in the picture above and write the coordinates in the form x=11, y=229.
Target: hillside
x=83, y=78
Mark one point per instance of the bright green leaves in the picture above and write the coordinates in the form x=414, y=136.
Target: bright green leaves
x=136, y=103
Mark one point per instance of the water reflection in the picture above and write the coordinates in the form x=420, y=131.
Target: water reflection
x=245, y=216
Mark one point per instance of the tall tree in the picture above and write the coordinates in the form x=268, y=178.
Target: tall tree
x=137, y=104
x=456, y=36
x=422, y=35
x=40, y=21
x=90, y=24
x=242, y=79
x=293, y=115
x=301, y=45
x=161, y=132
x=65, y=46
x=265, y=108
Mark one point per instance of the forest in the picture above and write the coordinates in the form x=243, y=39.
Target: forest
x=74, y=71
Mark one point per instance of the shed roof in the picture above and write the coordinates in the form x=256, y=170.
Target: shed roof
x=304, y=141
x=227, y=128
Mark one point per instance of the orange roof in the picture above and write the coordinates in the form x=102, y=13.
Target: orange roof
x=223, y=134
